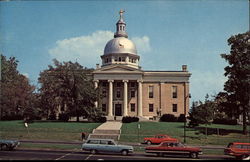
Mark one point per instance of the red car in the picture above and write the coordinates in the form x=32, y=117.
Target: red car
x=237, y=149
x=158, y=139
x=174, y=148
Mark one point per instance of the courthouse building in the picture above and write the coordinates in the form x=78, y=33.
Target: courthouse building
x=128, y=90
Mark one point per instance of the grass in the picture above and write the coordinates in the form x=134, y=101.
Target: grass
x=56, y=131
x=194, y=136
x=71, y=131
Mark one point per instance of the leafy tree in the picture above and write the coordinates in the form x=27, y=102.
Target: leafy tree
x=238, y=72
x=15, y=90
x=68, y=86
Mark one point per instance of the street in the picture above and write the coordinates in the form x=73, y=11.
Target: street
x=29, y=154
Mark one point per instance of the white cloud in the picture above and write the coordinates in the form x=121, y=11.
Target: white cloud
x=87, y=49
x=142, y=44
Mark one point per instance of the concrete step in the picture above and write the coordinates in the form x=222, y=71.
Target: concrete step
x=116, y=137
x=106, y=131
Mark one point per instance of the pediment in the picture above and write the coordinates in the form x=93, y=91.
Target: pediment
x=117, y=68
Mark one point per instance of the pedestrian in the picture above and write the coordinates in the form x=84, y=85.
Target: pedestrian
x=83, y=136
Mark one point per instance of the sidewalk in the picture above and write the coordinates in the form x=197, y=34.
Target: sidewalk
x=110, y=125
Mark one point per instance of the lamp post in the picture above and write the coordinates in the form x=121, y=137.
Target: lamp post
x=185, y=105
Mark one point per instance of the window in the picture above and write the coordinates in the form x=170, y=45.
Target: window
x=120, y=59
x=104, y=107
x=118, y=84
x=174, y=107
x=132, y=107
x=123, y=59
x=151, y=92
x=104, y=142
x=132, y=93
x=132, y=84
x=111, y=143
x=104, y=84
x=151, y=107
x=62, y=107
x=118, y=93
x=93, y=141
x=104, y=92
x=174, y=91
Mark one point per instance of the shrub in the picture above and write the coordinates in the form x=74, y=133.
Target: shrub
x=64, y=117
x=181, y=118
x=129, y=119
x=52, y=117
x=168, y=118
x=101, y=119
x=225, y=121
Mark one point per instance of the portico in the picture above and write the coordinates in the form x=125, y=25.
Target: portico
x=118, y=97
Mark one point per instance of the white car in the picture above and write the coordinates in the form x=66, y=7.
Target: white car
x=106, y=145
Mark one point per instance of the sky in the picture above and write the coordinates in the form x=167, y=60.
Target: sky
x=167, y=35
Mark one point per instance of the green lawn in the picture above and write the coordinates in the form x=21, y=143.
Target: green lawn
x=195, y=136
x=71, y=131
x=58, y=131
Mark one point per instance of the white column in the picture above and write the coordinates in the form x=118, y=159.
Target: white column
x=125, y=98
x=139, y=98
x=96, y=85
x=110, y=110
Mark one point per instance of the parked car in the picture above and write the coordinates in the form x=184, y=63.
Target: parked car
x=237, y=149
x=157, y=139
x=174, y=148
x=106, y=145
x=8, y=144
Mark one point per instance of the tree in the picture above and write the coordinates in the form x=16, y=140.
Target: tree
x=203, y=113
x=15, y=90
x=67, y=86
x=238, y=72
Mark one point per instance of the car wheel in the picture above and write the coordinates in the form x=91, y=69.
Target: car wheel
x=93, y=151
x=4, y=147
x=149, y=142
x=244, y=156
x=124, y=152
x=193, y=155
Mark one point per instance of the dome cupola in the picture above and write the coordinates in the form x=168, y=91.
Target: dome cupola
x=120, y=50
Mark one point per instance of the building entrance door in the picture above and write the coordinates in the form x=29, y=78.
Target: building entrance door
x=118, y=109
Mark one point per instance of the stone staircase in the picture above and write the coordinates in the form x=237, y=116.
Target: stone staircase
x=108, y=130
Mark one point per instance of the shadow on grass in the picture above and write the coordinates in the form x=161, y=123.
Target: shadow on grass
x=211, y=131
x=215, y=131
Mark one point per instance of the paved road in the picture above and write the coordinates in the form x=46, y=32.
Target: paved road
x=29, y=154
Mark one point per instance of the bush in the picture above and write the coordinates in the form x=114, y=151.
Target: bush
x=168, y=118
x=129, y=119
x=52, y=117
x=101, y=119
x=225, y=121
x=64, y=117
x=181, y=118
x=12, y=117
